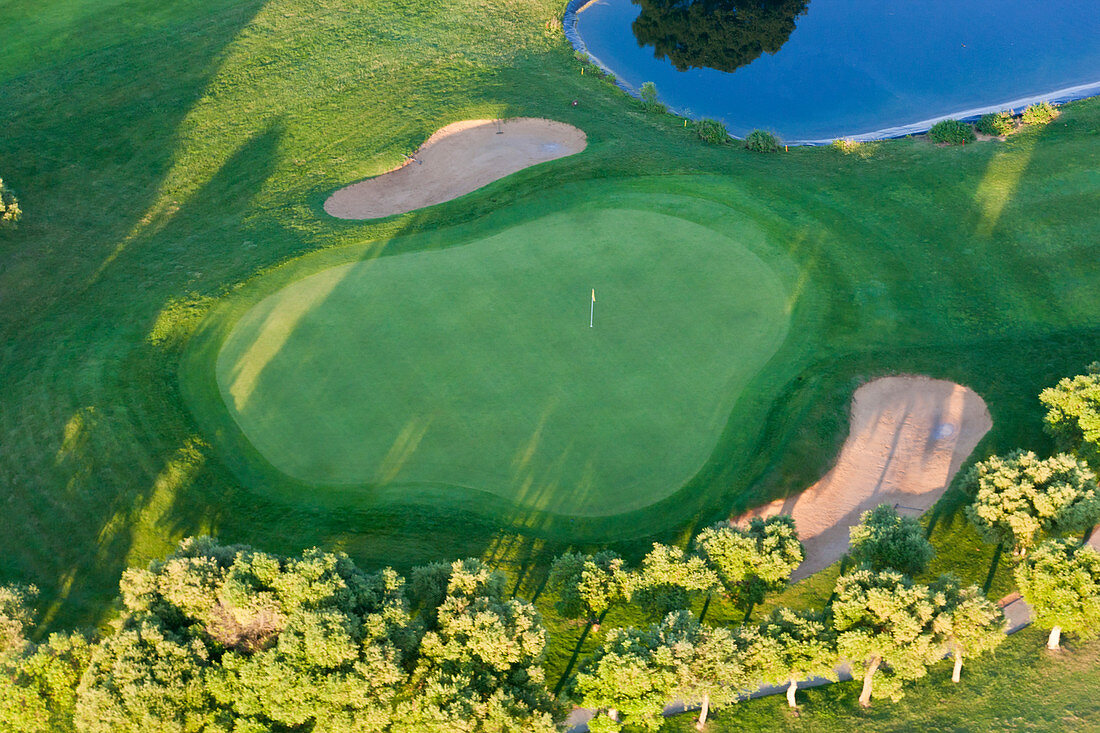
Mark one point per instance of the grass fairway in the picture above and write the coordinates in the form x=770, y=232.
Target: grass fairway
x=475, y=367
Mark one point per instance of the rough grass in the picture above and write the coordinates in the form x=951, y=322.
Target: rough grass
x=164, y=161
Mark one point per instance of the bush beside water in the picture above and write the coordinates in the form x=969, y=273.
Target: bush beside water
x=1039, y=114
x=951, y=132
x=711, y=131
x=997, y=124
x=761, y=141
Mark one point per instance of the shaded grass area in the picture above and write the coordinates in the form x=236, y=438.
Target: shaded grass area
x=163, y=163
x=1021, y=686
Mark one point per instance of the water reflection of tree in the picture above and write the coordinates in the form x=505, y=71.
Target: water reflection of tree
x=718, y=34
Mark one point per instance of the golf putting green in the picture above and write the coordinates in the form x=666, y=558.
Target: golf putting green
x=474, y=367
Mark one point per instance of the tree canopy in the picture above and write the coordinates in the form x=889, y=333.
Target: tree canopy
x=227, y=638
x=626, y=681
x=1017, y=496
x=799, y=645
x=969, y=623
x=587, y=585
x=479, y=666
x=749, y=562
x=717, y=34
x=883, y=618
x=668, y=577
x=215, y=634
x=884, y=540
x=1073, y=414
x=1061, y=582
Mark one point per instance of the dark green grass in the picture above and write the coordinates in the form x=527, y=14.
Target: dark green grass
x=162, y=162
x=477, y=368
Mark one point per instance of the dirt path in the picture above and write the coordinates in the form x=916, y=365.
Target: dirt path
x=908, y=437
x=459, y=158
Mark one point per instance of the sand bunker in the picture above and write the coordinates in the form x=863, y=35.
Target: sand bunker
x=459, y=158
x=909, y=435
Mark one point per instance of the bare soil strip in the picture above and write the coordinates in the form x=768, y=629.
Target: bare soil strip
x=908, y=437
x=457, y=159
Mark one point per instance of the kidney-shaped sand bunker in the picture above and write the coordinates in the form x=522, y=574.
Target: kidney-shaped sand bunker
x=476, y=366
x=457, y=159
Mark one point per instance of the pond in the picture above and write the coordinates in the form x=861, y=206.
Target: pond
x=816, y=70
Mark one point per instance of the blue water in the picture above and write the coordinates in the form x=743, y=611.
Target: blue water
x=873, y=68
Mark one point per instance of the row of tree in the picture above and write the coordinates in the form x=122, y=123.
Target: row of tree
x=885, y=626
x=741, y=563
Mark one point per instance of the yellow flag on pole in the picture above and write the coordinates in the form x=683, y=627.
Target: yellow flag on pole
x=593, y=295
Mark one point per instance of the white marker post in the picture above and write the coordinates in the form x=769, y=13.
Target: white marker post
x=592, y=310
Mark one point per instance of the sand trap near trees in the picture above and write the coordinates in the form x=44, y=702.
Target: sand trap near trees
x=457, y=159
x=908, y=437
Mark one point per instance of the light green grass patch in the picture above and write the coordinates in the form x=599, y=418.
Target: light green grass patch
x=475, y=366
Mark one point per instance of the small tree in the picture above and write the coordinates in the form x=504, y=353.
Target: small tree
x=1061, y=581
x=882, y=618
x=885, y=540
x=969, y=623
x=1018, y=496
x=710, y=665
x=587, y=585
x=626, y=681
x=800, y=645
x=1073, y=414
x=668, y=578
x=16, y=617
x=9, y=207
x=648, y=93
x=750, y=562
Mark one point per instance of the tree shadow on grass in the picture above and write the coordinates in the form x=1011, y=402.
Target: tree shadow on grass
x=90, y=141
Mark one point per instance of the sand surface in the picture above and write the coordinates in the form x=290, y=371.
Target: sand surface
x=459, y=158
x=908, y=437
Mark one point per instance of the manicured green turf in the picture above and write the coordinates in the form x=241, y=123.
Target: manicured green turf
x=476, y=367
x=169, y=157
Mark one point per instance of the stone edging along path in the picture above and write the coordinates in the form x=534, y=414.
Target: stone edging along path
x=457, y=159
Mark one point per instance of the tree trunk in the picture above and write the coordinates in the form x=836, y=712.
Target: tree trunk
x=613, y=713
x=703, y=712
x=1055, y=638
x=791, y=690
x=865, y=696
x=958, y=666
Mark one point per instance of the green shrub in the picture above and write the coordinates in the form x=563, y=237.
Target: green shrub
x=9, y=207
x=997, y=124
x=648, y=93
x=711, y=131
x=951, y=132
x=761, y=141
x=1039, y=114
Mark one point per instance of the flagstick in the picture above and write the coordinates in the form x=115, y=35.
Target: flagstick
x=592, y=310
